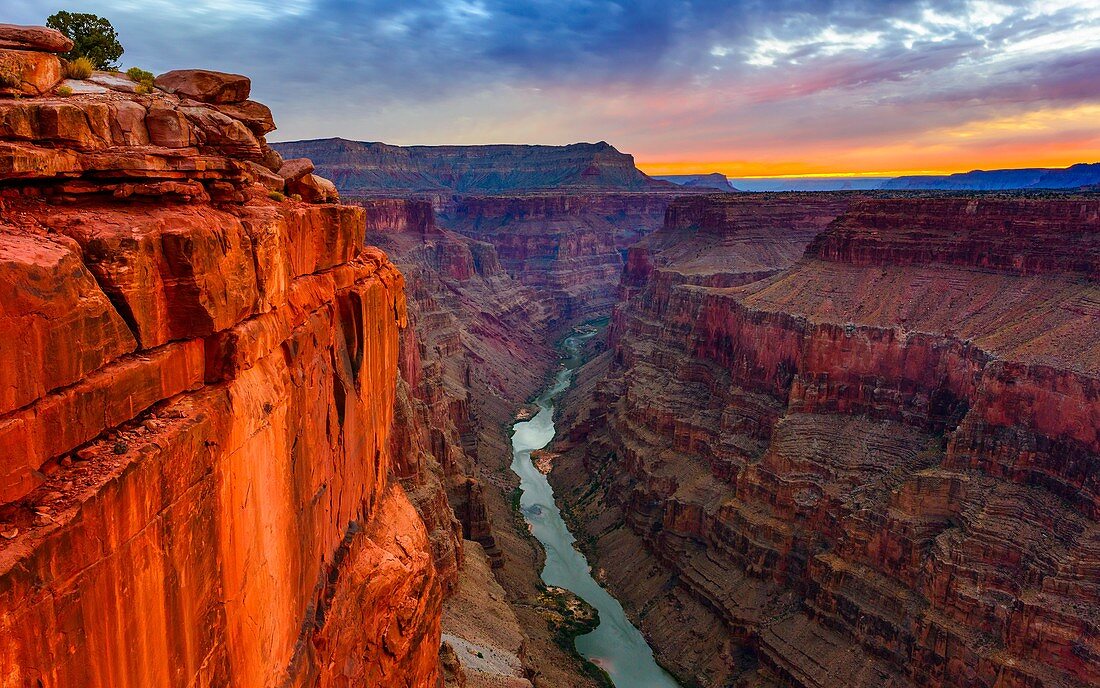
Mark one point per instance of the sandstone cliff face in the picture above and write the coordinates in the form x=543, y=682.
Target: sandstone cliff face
x=876, y=467
x=567, y=246
x=197, y=415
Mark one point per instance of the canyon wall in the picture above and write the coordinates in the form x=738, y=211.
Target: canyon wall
x=475, y=336
x=568, y=247
x=477, y=348
x=360, y=167
x=197, y=408
x=877, y=466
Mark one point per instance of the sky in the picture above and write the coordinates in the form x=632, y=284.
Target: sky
x=743, y=87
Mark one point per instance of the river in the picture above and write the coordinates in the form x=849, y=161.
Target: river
x=616, y=646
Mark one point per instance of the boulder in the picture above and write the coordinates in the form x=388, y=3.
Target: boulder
x=313, y=189
x=255, y=116
x=265, y=177
x=29, y=73
x=205, y=85
x=168, y=127
x=296, y=168
x=272, y=160
x=328, y=189
x=222, y=133
x=38, y=38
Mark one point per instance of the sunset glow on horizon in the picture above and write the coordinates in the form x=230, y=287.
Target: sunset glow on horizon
x=1044, y=138
x=788, y=169
x=851, y=87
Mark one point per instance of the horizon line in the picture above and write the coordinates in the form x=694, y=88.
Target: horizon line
x=692, y=169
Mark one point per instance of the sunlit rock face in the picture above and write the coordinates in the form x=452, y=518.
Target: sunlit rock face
x=876, y=466
x=197, y=413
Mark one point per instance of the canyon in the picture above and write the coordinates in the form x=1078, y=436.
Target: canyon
x=258, y=428
x=863, y=456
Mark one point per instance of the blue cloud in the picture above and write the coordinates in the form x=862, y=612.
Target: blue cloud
x=326, y=59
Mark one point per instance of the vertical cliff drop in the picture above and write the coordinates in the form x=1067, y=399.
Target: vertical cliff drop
x=196, y=405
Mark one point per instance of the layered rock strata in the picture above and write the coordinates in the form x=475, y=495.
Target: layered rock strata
x=197, y=415
x=876, y=467
x=568, y=247
x=725, y=241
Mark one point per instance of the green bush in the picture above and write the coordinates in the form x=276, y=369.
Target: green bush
x=276, y=196
x=143, y=89
x=64, y=91
x=140, y=75
x=93, y=37
x=81, y=68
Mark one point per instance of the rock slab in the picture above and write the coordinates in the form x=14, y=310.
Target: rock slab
x=205, y=85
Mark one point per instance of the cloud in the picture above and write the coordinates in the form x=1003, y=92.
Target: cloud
x=662, y=74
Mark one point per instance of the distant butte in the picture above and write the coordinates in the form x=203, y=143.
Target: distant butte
x=365, y=167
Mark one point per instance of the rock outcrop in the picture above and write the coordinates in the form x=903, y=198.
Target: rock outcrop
x=726, y=241
x=359, y=167
x=197, y=414
x=875, y=467
x=28, y=63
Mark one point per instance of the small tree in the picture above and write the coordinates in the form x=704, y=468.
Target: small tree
x=93, y=38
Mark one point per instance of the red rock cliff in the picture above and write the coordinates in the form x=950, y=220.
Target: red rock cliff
x=196, y=408
x=877, y=467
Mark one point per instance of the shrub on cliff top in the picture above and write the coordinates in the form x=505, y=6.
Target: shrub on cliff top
x=80, y=68
x=140, y=75
x=93, y=37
